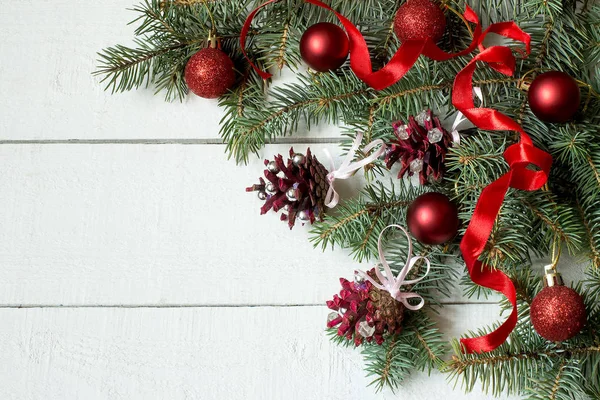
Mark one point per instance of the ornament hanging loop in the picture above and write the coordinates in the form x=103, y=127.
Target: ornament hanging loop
x=552, y=277
x=213, y=42
x=213, y=26
x=556, y=251
x=462, y=18
x=391, y=283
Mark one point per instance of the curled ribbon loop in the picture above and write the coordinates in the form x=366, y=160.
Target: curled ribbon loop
x=348, y=168
x=244, y=34
x=519, y=156
x=360, y=59
x=404, y=58
x=392, y=284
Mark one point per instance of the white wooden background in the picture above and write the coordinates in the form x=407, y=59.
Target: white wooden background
x=132, y=263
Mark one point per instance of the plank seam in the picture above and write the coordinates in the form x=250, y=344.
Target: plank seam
x=25, y=306
x=287, y=140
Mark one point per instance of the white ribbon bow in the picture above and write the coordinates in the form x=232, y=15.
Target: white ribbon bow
x=347, y=169
x=392, y=284
x=460, y=118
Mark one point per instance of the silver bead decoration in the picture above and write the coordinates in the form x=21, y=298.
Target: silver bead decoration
x=342, y=311
x=332, y=315
x=272, y=167
x=303, y=216
x=262, y=195
x=422, y=117
x=435, y=135
x=298, y=159
x=416, y=166
x=291, y=194
x=270, y=188
x=402, y=132
x=358, y=278
x=365, y=330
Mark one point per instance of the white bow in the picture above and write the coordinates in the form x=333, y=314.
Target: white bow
x=392, y=284
x=347, y=169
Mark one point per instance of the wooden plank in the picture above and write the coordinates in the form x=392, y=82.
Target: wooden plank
x=48, y=54
x=141, y=224
x=197, y=353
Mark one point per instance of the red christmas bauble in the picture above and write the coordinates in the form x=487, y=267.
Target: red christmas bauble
x=419, y=20
x=554, y=97
x=558, y=313
x=324, y=47
x=432, y=218
x=209, y=73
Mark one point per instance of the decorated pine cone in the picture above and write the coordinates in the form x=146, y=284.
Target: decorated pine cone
x=421, y=146
x=298, y=186
x=364, y=312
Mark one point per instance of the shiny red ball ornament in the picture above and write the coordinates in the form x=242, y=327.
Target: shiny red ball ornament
x=554, y=97
x=432, y=218
x=209, y=73
x=324, y=47
x=420, y=20
x=558, y=313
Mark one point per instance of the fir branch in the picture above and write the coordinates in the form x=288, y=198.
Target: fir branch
x=280, y=60
x=371, y=209
x=593, y=235
x=327, y=98
x=420, y=346
x=461, y=364
x=557, y=380
x=595, y=170
x=125, y=68
x=389, y=98
x=358, y=222
x=557, y=220
x=384, y=378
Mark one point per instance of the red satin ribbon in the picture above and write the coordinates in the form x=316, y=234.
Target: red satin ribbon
x=360, y=59
x=244, y=34
x=519, y=156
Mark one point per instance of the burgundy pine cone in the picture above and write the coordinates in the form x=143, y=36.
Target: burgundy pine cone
x=358, y=302
x=307, y=180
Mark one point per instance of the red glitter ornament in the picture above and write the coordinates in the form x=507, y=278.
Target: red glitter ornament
x=557, y=312
x=209, y=73
x=324, y=46
x=419, y=20
x=554, y=97
x=432, y=218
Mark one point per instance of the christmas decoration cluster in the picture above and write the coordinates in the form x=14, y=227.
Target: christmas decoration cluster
x=516, y=185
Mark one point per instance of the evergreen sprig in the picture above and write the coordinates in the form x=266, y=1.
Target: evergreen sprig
x=419, y=347
x=357, y=223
